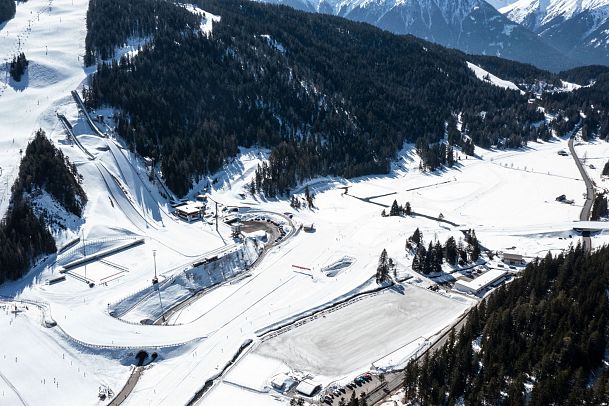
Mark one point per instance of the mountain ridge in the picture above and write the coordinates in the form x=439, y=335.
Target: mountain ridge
x=579, y=29
x=472, y=26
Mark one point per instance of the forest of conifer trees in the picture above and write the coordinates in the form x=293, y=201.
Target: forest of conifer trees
x=7, y=10
x=540, y=340
x=339, y=99
x=24, y=234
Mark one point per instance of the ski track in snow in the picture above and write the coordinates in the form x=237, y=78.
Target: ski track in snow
x=507, y=196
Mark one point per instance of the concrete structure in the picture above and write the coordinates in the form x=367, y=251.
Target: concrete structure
x=475, y=286
x=513, y=259
x=190, y=211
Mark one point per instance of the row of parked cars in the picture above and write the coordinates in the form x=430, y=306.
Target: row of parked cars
x=341, y=392
x=282, y=231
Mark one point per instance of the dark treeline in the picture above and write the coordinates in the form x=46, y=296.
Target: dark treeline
x=23, y=234
x=517, y=72
x=23, y=237
x=429, y=260
x=599, y=208
x=44, y=167
x=584, y=75
x=18, y=66
x=107, y=27
x=586, y=108
x=539, y=340
x=329, y=96
x=7, y=10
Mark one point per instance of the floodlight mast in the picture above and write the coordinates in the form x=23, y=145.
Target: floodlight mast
x=155, y=280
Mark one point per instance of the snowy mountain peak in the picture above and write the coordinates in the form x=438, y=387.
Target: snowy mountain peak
x=544, y=11
x=451, y=10
x=473, y=26
x=578, y=28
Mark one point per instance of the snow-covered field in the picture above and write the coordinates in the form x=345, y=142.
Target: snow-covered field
x=508, y=197
x=351, y=339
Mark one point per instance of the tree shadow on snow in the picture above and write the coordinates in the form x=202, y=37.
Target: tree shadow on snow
x=21, y=85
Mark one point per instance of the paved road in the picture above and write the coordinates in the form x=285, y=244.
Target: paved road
x=273, y=232
x=128, y=388
x=585, y=213
x=394, y=381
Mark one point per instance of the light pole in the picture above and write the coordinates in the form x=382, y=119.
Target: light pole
x=155, y=284
x=84, y=251
x=155, y=280
x=216, y=215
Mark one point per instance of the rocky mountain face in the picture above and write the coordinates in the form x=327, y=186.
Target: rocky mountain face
x=473, y=26
x=577, y=28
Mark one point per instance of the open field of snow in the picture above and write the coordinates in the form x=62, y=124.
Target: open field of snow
x=594, y=156
x=351, y=339
x=508, y=197
x=52, y=34
x=41, y=367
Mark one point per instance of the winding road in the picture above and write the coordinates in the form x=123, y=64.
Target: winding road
x=394, y=380
x=585, y=213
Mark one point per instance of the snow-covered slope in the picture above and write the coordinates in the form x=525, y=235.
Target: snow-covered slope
x=473, y=26
x=492, y=79
x=544, y=11
x=579, y=28
x=499, y=3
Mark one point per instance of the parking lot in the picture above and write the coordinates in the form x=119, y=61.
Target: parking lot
x=360, y=385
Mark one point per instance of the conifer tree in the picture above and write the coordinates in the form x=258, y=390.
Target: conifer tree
x=382, y=270
x=395, y=209
x=408, y=209
x=18, y=66
x=417, y=237
x=418, y=262
x=606, y=169
x=451, y=251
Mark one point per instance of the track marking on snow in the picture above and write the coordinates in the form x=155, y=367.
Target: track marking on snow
x=10, y=385
x=20, y=42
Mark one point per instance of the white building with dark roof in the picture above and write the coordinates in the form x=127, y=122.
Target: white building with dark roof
x=190, y=211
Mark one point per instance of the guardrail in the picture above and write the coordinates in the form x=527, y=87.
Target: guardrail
x=91, y=244
x=309, y=315
x=102, y=254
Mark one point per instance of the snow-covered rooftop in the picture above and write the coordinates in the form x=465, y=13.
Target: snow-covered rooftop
x=482, y=281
